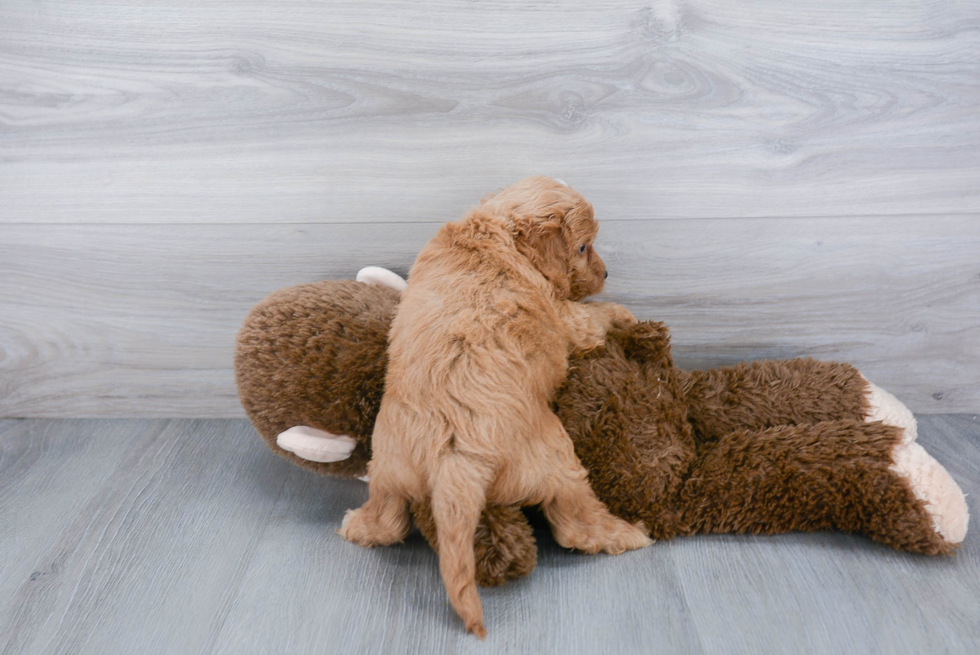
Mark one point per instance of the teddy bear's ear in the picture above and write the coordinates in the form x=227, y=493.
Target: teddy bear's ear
x=381, y=277
x=648, y=341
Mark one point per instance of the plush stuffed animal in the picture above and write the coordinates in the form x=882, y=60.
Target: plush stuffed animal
x=765, y=447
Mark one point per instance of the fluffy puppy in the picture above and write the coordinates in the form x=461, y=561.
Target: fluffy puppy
x=477, y=350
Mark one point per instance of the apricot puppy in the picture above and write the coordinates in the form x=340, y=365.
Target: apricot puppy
x=477, y=350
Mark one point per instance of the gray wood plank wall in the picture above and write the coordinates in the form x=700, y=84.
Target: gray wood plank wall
x=773, y=179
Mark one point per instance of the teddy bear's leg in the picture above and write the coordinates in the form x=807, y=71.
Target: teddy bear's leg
x=883, y=406
x=934, y=486
x=504, y=543
x=850, y=475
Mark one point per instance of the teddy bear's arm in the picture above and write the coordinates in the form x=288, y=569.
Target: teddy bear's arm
x=763, y=394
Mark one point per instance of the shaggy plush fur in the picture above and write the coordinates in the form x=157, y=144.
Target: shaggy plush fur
x=477, y=349
x=504, y=542
x=766, y=447
x=316, y=355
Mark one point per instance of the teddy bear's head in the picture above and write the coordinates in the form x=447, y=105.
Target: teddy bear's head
x=315, y=355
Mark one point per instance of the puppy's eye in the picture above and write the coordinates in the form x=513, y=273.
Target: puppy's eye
x=582, y=248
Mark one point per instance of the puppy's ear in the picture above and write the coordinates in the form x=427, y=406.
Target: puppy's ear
x=543, y=243
x=488, y=197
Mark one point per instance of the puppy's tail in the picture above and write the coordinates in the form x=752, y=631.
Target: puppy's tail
x=458, y=497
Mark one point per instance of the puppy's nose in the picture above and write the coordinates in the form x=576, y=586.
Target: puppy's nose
x=605, y=275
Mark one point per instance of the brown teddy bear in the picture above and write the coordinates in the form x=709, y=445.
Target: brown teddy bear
x=765, y=447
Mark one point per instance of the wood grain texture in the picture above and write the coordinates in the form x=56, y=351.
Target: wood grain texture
x=150, y=561
x=189, y=536
x=36, y=458
x=209, y=112
x=835, y=593
x=165, y=164
x=139, y=320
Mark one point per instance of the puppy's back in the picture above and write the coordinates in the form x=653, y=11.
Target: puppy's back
x=474, y=331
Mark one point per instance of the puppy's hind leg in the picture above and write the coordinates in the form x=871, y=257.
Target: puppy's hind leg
x=578, y=519
x=381, y=521
x=458, y=497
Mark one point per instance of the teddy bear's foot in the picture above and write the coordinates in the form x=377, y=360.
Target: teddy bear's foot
x=316, y=445
x=932, y=484
x=884, y=407
x=504, y=546
x=381, y=277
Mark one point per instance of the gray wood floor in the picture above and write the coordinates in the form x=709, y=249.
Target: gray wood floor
x=188, y=536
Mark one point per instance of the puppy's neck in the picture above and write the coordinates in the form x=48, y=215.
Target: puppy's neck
x=538, y=244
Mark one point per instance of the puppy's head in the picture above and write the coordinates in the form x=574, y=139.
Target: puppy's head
x=553, y=226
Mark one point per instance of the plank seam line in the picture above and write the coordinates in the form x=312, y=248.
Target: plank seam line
x=935, y=215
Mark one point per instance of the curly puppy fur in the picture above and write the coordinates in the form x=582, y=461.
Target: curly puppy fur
x=478, y=347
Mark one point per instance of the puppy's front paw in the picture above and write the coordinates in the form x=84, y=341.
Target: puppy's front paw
x=622, y=537
x=612, y=315
x=355, y=529
x=620, y=316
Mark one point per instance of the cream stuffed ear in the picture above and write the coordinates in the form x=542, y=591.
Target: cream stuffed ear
x=381, y=277
x=316, y=445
